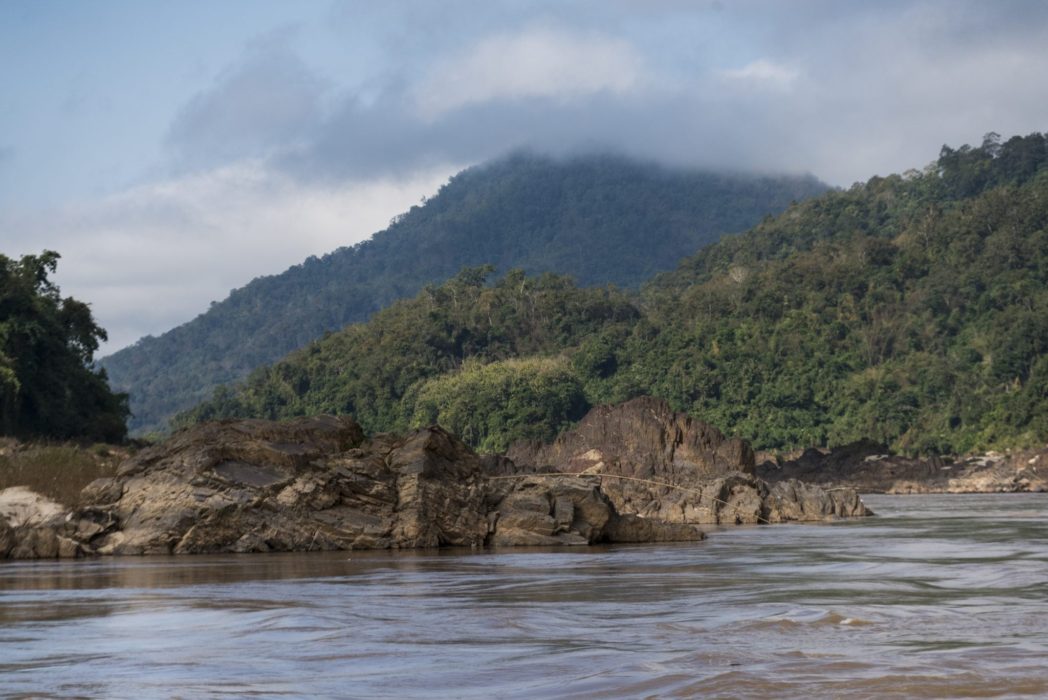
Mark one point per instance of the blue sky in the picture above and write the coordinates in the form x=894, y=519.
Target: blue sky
x=173, y=151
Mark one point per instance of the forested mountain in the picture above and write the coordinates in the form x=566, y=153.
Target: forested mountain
x=912, y=309
x=48, y=388
x=599, y=219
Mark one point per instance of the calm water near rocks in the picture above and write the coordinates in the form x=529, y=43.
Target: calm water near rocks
x=938, y=596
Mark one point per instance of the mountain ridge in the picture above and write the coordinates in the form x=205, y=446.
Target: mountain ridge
x=910, y=309
x=601, y=218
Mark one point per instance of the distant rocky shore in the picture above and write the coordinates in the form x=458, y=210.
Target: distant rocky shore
x=637, y=472
x=869, y=468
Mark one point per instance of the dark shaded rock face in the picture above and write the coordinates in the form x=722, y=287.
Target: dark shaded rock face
x=641, y=437
x=670, y=467
x=869, y=468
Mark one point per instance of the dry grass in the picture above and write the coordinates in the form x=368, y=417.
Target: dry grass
x=58, y=471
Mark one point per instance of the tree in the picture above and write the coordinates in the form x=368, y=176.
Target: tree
x=492, y=405
x=48, y=387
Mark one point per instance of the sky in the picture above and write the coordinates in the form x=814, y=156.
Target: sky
x=171, y=152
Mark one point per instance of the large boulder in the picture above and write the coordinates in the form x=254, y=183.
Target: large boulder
x=544, y=511
x=306, y=484
x=793, y=500
x=551, y=509
x=441, y=491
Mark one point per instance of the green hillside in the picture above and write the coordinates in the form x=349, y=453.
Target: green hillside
x=380, y=372
x=598, y=219
x=911, y=309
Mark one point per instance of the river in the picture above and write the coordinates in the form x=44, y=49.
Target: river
x=937, y=596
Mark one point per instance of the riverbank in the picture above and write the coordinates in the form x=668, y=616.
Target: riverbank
x=868, y=468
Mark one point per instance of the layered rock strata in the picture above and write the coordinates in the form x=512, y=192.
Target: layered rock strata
x=316, y=484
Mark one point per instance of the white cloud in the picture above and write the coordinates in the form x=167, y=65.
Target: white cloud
x=154, y=256
x=763, y=74
x=538, y=63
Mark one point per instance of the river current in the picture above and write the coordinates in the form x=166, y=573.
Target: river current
x=937, y=596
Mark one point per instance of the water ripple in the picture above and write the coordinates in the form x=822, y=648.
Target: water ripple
x=939, y=596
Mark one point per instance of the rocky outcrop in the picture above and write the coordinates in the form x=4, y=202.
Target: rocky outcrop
x=667, y=466
x=315, y=484
x=550, y=510
x=639, y=438
x=869, y=468
x=794, y=500
x=319, y=484
x=310, y=484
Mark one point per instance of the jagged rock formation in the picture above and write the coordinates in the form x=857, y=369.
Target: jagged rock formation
x=638, y=438
x=868, y=467
x=319, y=484
x=663, y=465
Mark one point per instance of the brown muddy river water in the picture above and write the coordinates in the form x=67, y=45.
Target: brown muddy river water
x=938, y=596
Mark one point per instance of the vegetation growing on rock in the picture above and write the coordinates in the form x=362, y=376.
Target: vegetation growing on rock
x=57, y=470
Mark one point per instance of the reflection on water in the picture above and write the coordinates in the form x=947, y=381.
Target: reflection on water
x=939, y=596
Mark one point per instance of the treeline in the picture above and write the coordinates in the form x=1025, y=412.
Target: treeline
x=48, y=388
x=599, y=219
x=912, y=309
x=445, y=357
